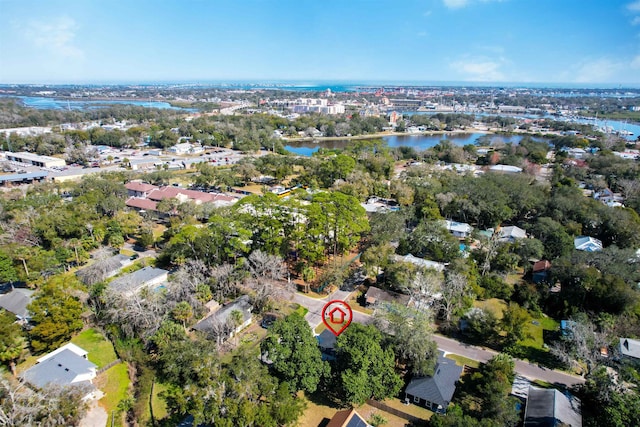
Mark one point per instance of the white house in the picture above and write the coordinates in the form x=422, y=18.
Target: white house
x=65, y=366
x=630, y=347
x=132, y=283
x=421, y=262
x=512, y=233
x=587, y=244
x=458, y=229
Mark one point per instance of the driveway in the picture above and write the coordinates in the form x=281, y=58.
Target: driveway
x=96, y=416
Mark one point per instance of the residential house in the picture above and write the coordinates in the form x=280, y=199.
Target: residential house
x=420, y=262
x=103, y=269
x=511, y=233
x=16, y=302
x=505, y=169
x=327, y=344
x=540, y=271
x=139, y=188
x=65, y=366
x=132, y=283
x=550, y=408
x=348, y=418
x=145, y=197
x=630, y=348
x=587, y=244
x=376, y=296
x=609, y=198
x=435, y=392
x=459, y=229
x=222, y=320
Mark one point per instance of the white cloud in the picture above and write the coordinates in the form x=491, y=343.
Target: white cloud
x=635, y=6
x=597, y=71
x=479, y=69
x=455, y=4
x=56, y=36
x=636, y=21
x=459, y=4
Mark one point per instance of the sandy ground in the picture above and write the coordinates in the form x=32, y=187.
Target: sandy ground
x=96, y=416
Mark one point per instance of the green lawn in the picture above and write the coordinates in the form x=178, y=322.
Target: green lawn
x=461, y=360
x=536, y=330
x=157, y=403
x=114, y=383
x=302, y=311
x=495, y=305
x=100, y=349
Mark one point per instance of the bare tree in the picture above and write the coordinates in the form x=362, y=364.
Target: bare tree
x=424, y=289
x=51, y=405
x=454, y=290
x=224, y=281
x=267, y=279
x=580, y=342
x=137, y=315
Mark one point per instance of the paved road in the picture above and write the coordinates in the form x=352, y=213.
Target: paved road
x=522, y=367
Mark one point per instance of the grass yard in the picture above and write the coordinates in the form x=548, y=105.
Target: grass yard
x=494, y=305
x=302, y=311
x=536, y=329
x=319, y=411
x=461, y=360
x=100, y=349
x=157, y=403
x=114, y=382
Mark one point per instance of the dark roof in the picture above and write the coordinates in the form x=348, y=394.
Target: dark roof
x=440, y=387
x=221, y=316
x=376, y=295
x=17, y=301
x=23, y=176
x=347, y=418
x=549, y=408
x=327, y=340
x=60, y=369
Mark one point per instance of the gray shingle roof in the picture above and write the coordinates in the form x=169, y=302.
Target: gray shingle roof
x=130, y=283
x=549, y=407
x=60, y=369
x=17, y=301
x=222, y=316
x=440, y=387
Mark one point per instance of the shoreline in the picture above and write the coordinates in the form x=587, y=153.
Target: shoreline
x=318, y=139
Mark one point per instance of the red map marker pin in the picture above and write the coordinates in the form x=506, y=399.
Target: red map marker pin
x=336, y=316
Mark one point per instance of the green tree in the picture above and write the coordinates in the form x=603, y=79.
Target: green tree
x=294, y=351
x=411, y=333
x=55, y=313
x=514, y=323
x=7, y=270
x=11, y=340
x=364, y=368
x=182, y=312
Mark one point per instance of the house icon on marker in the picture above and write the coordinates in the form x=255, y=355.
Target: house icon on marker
x=337, y=315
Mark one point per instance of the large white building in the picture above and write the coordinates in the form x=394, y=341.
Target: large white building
x=35, y=159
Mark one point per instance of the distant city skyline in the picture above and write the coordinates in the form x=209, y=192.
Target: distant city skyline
x=574, y=42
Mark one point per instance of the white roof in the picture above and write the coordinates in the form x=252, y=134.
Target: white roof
x=460, y=227
x=438, y=266
x=506, y=168
x=630, y=347
x=586, y=243
x=69, y=346
x=513, y=231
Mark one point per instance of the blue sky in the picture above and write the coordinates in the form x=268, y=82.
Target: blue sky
x=112, y=41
